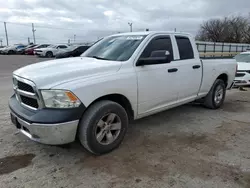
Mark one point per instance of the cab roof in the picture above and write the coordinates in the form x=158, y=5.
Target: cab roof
x=153, y=33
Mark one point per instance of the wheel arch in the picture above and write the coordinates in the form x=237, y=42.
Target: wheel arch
x=223, y=77
x=120, y=99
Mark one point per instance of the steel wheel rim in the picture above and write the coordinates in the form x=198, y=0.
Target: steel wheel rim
x=219, y=92
x=108, y=129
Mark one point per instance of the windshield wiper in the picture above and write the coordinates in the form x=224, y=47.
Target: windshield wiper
x=96, y=57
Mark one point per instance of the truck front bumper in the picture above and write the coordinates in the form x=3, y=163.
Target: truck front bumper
x=47, y=126
x=53, y=134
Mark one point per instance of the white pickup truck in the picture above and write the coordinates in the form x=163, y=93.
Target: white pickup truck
x=121, y=78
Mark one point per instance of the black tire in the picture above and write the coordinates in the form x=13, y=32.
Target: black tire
x=210, y=101
x=88, y=126
x=49, y=54
x=11, y=52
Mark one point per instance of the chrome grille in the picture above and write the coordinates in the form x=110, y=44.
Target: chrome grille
x=25, y=92
x=29, y=101
x=25, y=87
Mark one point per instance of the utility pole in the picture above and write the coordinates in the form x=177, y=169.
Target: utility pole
x=28, y=40
x=6, y=34
x=33, y=30
x=131, y=26
x=68, y=41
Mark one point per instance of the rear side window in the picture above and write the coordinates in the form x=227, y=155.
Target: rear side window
x=185, y=48
x=62, y=46
x=158, y=43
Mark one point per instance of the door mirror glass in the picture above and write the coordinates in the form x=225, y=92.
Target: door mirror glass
x=156, y=57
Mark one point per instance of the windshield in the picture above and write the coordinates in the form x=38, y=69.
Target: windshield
x=243, y=58
x=115, y=48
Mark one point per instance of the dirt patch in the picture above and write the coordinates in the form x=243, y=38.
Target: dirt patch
x=179, y=155
x=183, y=154
x=12, y=163
x=234, y=106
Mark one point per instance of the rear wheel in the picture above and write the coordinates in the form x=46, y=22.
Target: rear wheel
x=103, y=127
x=216, y=96
x=49, y=54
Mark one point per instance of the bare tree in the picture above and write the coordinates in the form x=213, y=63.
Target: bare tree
x=237, y=29
x=230, y=29
x=212, y=30
x=247, y=31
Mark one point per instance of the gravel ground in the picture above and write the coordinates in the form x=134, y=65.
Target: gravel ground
x=188, y=146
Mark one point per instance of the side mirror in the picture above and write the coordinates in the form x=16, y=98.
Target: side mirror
x=156, y=57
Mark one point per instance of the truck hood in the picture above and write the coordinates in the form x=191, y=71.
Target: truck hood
x=55, y=72
x=243, y=66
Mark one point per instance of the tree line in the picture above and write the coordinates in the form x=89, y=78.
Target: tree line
x=233, y=29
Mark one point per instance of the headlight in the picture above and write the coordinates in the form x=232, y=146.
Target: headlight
x=60, y=99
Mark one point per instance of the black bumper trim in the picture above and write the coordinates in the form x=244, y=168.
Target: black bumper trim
x=46, y=115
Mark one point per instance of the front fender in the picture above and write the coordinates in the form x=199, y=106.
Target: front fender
x=90, y=89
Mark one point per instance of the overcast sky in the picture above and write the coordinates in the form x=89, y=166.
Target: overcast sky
x=89, y=20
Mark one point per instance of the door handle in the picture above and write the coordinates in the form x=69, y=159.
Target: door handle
x=196, y=66
x=173, y=70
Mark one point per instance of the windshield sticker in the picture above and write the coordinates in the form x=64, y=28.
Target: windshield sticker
x=134, y=38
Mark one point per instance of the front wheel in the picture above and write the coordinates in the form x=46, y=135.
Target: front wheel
x=49, y=54
x=216, y=96
x=103, y=127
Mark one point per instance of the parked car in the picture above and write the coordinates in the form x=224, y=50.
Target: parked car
x=30, y=51
x=123, y=77
x=22, y=50
x=1, y=49
x=12, y=49
x=50, y=51
x=73, y=52
x=242, y=77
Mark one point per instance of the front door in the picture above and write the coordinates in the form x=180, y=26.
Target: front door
x=157, y=83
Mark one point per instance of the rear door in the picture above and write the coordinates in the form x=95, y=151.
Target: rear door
x=189, y=69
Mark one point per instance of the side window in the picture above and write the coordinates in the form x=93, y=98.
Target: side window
x=158, y=43
x=185, y=48
x=62, y=46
